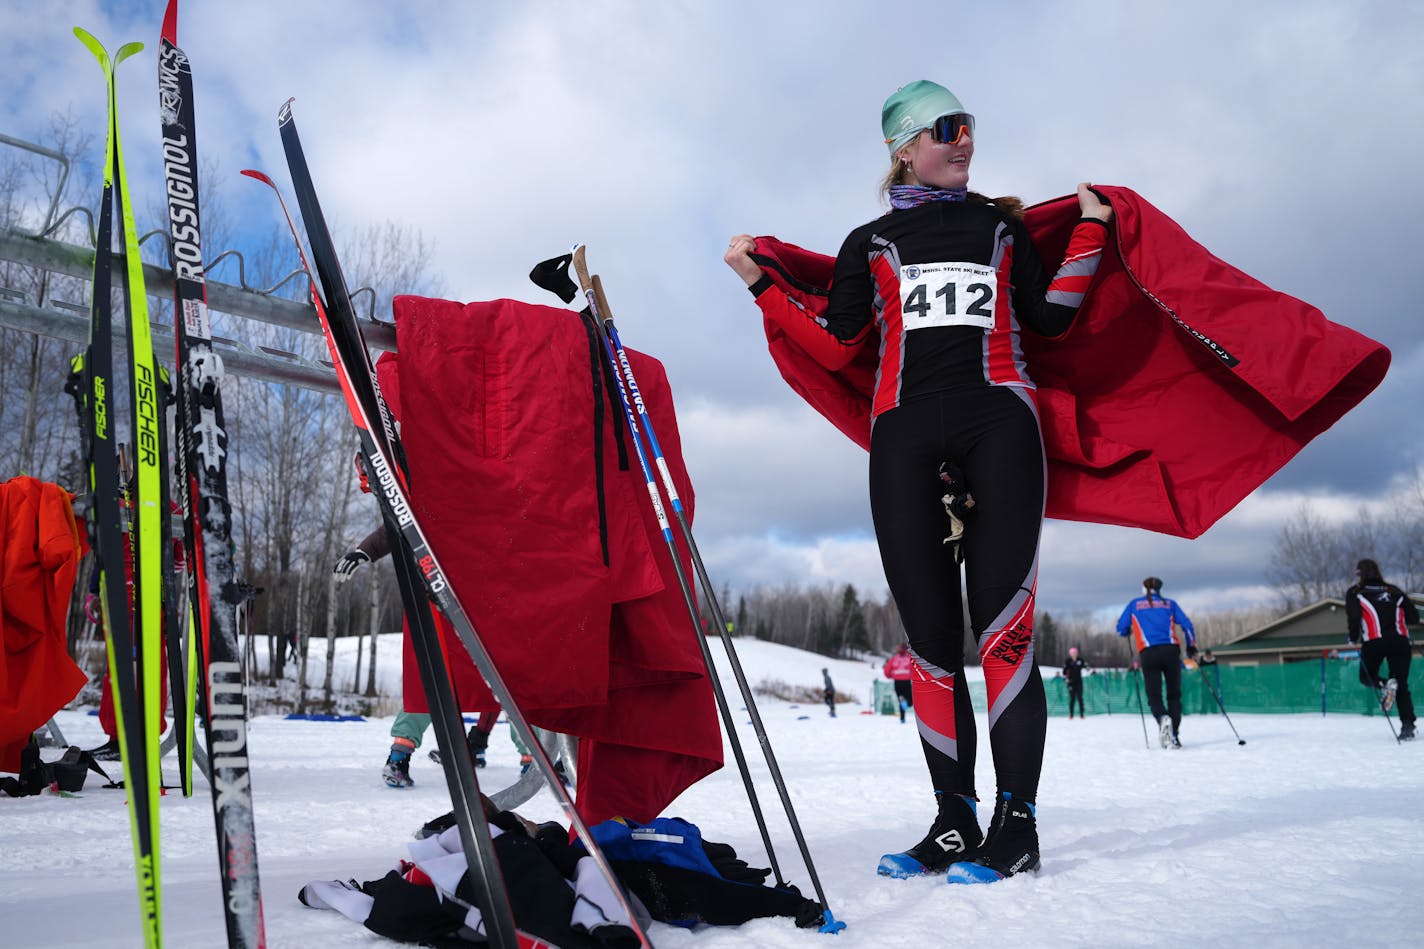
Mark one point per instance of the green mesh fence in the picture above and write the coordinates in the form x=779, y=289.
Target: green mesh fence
x=1329, y=685
x=1323, y=685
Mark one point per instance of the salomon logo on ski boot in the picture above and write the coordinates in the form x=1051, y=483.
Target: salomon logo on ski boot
x=951, y=842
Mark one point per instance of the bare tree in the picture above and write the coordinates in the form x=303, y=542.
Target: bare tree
x=39, y=433
x=1310, y=559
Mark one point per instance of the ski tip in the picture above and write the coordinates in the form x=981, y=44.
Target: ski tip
x=92, y=44
x=284, y=114
x=170, y=24
x=254, y=173
x=127, y=50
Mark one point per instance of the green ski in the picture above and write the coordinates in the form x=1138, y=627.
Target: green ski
x=136, y=697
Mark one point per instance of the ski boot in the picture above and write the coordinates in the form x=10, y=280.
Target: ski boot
x=1010, y=848
x=954, y=836
x=397, y=770
x=525, y=763
x=478, y=742
x=108, y=751
x=1388, y=693
x=1164, y=731
x=1406, y=732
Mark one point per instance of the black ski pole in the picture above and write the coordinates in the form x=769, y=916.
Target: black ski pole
x=1142, y=712
x=593, y=290
x=1219, y=704
x=1374, y=684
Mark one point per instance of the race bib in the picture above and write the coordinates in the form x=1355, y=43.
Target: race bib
x=947, y=294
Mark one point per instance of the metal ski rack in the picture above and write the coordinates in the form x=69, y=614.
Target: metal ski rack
x=69, y=320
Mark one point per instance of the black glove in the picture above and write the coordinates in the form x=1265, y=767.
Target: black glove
x=726, y=862
x=347, y=565
x=1191, y=652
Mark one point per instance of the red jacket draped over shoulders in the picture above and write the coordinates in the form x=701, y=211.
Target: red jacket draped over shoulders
x=1181, y=387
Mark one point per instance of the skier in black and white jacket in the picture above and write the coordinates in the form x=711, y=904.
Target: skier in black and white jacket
x=1378, y=615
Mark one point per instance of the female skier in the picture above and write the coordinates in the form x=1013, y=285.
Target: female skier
x=943, y=283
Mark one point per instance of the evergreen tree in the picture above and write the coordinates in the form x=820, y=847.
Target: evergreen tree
x=853, y=634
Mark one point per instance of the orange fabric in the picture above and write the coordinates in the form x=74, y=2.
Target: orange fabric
x=39, y=557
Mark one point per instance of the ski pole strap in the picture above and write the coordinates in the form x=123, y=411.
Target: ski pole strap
x=553, y=275
x=590, y=330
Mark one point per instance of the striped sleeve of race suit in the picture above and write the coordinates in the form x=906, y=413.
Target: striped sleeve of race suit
x=809, y=330
x=1080, y=262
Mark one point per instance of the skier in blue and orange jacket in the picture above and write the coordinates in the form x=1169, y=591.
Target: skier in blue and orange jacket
x=1153, y=621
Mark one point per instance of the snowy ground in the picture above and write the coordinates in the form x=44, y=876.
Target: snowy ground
x=1309, y=835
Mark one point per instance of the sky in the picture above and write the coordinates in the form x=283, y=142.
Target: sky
x=1284, y=136
x=1307, y=835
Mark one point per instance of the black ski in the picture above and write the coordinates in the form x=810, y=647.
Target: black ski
x=181, y=707
x=445, y=715
x=106, y=529
x=201, y=458
x=386, y=459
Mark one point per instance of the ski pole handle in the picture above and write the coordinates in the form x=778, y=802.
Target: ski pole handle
x=604, y=313
x=580, y=263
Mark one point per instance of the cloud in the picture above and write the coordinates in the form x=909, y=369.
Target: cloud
x=1275, y=132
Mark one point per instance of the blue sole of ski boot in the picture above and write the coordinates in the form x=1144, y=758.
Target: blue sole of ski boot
x=902, y=866
x=972, y=873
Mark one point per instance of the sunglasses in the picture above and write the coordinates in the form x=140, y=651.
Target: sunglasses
x=953, y=129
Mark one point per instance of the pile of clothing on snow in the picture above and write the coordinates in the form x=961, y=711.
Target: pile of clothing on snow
x=556, y=892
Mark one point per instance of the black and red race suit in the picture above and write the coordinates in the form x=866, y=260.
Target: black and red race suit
x=946, y=289
x=1378, y=615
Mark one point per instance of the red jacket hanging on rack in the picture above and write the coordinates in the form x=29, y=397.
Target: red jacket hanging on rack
x=518, y=478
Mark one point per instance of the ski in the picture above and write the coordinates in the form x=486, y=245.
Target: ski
x=201, y=460
x=385, y=457
x=138, y=748
x=180, y=707
x=445, y=717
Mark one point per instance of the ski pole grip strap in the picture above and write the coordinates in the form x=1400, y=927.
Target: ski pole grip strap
x=553, y=275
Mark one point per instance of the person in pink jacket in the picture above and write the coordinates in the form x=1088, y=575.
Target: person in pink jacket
x=898, y=669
